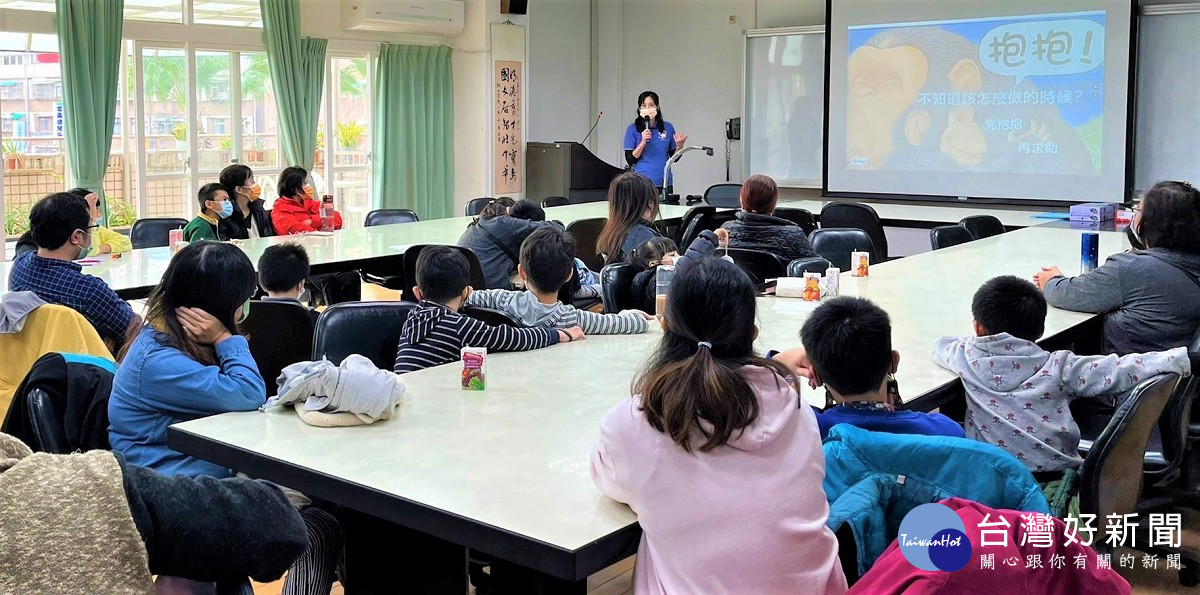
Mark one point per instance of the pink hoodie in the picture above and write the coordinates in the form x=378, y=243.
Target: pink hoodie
x=746, y=517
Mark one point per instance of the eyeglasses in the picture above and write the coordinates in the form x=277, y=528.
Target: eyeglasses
x=88, y=229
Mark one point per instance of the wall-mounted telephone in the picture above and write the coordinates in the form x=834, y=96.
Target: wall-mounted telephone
x=733, y=129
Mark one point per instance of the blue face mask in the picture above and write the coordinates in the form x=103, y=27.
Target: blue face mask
x=226, y=209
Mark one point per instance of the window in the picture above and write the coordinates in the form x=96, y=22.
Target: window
x=237, y=13
x=12, y=59
x=12, y=89
x=217, y=125
x=45, y=91
x=344, y=136
x=6, y=124
x=44, y=124
x=233, y=13
x=260, y=135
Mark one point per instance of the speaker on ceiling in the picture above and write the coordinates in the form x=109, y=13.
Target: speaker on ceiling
x=514, y=6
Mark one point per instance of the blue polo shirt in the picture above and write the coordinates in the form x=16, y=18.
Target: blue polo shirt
x=892, y=422
x=654, y=156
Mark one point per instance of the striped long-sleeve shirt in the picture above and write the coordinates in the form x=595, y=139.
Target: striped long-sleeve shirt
x=525, y=308
x=434, y=334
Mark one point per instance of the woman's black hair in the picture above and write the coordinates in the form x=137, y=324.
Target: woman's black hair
x=640, y=122
x=688, y=389
x=291, y=182
x=212, y=276
x=234, y=177
x=1171, y=217
x=496, y=208
x=629, y=195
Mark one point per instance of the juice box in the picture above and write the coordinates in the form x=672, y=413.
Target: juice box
x=474, y=372
x=860, y=263
x=832, y=281
x=812, y=287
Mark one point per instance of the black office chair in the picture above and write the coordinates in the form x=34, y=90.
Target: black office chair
x=61, y=406
x=616, y=286
x=555, y=201
x=47, y=424
x=723, y=195
x=476, y=205
x=858, y=216
x=389, y=217
x=370, y=329
x=410, y=269
x=687, y=225
x=280, y=334
x=982, y=226
x=154, y=232
x=586, y=232
x=835, y=245
x=945, y=236
x=802, y=217
x=759, y=265
x=811, y=264
x=25, y=244
x=489, y=316
x=707, y=221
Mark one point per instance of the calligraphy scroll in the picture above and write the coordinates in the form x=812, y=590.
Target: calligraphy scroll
x=508, y=164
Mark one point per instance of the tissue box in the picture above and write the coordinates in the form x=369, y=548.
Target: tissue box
x=1094, y=211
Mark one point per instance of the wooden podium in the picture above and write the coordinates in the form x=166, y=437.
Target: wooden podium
x=566, y=169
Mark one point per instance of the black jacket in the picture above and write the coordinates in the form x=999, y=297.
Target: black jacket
x=79, y=390
x=769, y=234
x=496, y=242
x=237, y=226
x=645, y=283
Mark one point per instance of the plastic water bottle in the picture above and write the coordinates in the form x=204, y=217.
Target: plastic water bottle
x=327, y=212
x=662, y=280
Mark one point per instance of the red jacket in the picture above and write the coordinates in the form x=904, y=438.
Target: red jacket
x=291, y=218
x=892, y=574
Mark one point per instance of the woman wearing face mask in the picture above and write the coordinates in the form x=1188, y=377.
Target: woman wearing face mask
x=249, y=218
x=215, y=207
x=1147, y=297
x=297, y=211
x=650, y=141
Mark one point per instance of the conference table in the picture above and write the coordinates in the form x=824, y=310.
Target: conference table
x=505, y=471
x=135, y=273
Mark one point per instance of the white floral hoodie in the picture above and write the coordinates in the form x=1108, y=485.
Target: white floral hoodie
x=1018, y=394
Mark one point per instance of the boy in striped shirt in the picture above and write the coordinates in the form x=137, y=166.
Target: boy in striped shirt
x=547, y=262
x=434, y=332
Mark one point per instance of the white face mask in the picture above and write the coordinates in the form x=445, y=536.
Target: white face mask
x=649, y=112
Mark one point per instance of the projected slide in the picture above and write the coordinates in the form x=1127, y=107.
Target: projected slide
x=1006, y=106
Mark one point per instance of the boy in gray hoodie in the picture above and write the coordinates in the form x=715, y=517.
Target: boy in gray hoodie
x=1018, y=394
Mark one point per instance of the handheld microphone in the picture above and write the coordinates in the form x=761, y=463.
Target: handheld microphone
x=593, y=128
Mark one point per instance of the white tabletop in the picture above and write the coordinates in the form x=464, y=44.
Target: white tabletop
x=515, y=457
x=135, y=272
x=948, y=213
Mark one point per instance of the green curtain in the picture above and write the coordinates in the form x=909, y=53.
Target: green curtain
x=414, y=130
x=89, y=43
x=297, y=68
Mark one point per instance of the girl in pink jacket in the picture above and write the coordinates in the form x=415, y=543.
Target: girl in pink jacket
x=721, y=465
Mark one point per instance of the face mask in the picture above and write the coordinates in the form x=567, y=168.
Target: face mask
x=255, y=192
x=1135, y=238
x=649, y=112
x=308, y=191
x=85, y=250
x=245, y=310
x=226, y=209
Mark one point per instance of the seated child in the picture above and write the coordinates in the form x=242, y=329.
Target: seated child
x=547, y=257
x=1018, y=394
x=848, y=348
x=106, y=241
x=649, y=255
x=714, y=428
x=214, y=206
x=585, y=286
x=282, y=271
x=434, y=332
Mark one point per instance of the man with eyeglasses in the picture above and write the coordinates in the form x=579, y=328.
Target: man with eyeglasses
x=62, y=229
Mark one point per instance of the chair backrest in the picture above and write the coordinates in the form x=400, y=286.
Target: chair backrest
x=945, y=236
x=412, y=253
x=687, y=225
x=1111, y=475
x=25, y=244
x=555, y=201
x=490, y=316
x=46, y=421
x=835, y=245
x=370, y=329
x=811, y=264
x=1173, y=426
x=616, y=286
x=476, y=205
x=280, y=334
x=704, y=222
x=802, y=217
x=759, y=265
x=586, y=232
x=982, y=226
x=723, y=195
x=154, y=232
x=857, y=216
x=390, y=216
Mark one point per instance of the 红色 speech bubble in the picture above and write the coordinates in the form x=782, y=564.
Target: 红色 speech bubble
x=1036, y=48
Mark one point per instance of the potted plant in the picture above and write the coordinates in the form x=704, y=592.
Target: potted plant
x=14, y=159
x=258, y=153
x=319, y=154
x=350, y=136
x=179, y=131
x=226, y=146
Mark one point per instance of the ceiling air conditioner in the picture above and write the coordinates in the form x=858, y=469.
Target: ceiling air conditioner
x=426, y=17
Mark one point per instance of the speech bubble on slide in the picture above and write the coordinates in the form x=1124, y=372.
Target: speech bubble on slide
x=1038, y=48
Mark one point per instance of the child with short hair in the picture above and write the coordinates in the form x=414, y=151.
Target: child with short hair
x=715, y=428
x=648, y=255
x=214, y=206
x=282, y=271
x=584, y=287
x=1018, y=394
x=547, y=262
x=434, y=332
x=106, y=241
x=848, y=348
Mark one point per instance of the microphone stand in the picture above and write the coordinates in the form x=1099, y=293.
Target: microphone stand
x=676, y=157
